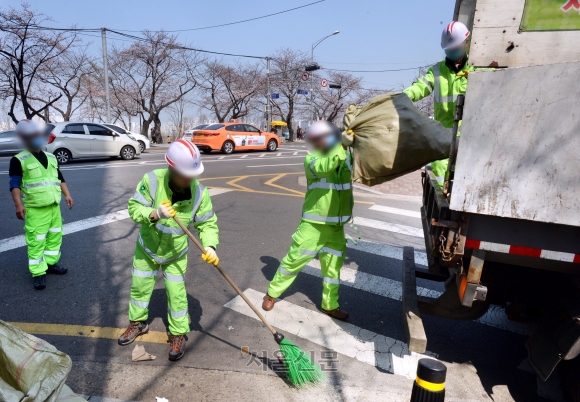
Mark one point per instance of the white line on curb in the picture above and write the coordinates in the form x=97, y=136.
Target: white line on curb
x=396, y=211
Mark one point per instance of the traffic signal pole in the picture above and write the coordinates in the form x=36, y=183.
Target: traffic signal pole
x=106, y=71
x=268, y=95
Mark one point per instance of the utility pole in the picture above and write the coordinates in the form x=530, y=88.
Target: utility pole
x=106, y=69
x=268, y=95
x=318, y=42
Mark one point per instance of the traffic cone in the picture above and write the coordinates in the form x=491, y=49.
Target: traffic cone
x=429, y=386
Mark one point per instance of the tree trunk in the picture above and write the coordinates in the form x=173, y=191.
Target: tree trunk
x=158, y=135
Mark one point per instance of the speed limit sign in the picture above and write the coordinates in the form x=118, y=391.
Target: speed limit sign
x=324, y=83
x=305, y=76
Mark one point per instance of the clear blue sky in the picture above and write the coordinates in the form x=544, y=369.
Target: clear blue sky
x=375, y=34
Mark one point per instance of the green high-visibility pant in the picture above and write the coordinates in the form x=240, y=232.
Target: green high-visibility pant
x=439, y=168
x=145, y=272
x=43, y=227
x=309, y=240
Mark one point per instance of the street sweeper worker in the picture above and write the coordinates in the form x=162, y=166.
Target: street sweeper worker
x=446, y=80
x=162, y=244
x=327, y=207
x=36, y=186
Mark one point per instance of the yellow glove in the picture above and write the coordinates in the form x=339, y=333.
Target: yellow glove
x=165, y=210
x=210, y=256
x=347, y=138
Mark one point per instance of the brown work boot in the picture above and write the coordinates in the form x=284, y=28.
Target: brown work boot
x=177, y=347
x=134, y=329
x=336, y=313
x=268, y=303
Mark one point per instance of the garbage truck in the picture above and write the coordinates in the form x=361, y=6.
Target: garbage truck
x=503, y=232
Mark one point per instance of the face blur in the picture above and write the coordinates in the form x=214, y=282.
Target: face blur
x=178, y=180
x=319, y=143
x=33, y=141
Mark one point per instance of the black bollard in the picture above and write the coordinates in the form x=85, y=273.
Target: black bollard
x=430, y=383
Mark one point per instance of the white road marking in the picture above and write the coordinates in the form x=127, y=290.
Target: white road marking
x=391, y=227
x=221, y=157
x=244, y=156
x=368, y=347
x=261, y=156
x=385, y=250
x=279, y=154
x=396, y=211
x=142, y=163
x=281, y=164
x=295, y=153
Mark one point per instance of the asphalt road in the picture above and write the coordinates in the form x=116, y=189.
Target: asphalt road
x=257, y=198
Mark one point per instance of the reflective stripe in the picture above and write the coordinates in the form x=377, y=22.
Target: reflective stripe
x=169, y=230
x=177, y=314
x=331, y=280
x=42, y=184
x=173, y=278
x=204, y=217
x=24, y=157
x=144, y=274
x=197, y=199
x=286, y=273
x=437, y=86
x=51, y=252
x=446, y=99
x=31, y=262
x=425, y=81
x=140, y=303
x=332, y=251
x=41, y=237
x=328, y=219
x=152, y=185
x=308, y=252
x=154, y=257
x=440, y=179
x=322, y=184
x=141, y=200
x=54, y=230
x=312, y=168
x=348, y=162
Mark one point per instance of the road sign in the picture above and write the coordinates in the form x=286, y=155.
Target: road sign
x=305, y=76
x=302, y=92
x=275, y=96
x=324, y=83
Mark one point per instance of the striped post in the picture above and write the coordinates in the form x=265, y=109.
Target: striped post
x=429, y=386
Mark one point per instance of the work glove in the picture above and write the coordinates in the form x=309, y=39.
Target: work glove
x=165, y=210
x=210, y=256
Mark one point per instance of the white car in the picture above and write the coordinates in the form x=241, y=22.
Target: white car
x=144, y=142
x=188, y=133
x=71, y=140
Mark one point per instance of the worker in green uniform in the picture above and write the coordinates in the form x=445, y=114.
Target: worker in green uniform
x=446, y=80
x=36, y=186
x=162, y=244
x=327, y=207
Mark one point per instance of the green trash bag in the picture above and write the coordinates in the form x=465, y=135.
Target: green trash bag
x=392, y=138
x=31, y=369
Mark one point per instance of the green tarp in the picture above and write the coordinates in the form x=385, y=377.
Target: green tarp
x=551, y=15
x=392, y=138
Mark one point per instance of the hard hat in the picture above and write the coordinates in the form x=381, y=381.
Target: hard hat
x=321, y=128
x=185, y=158
x=454, y=35
x=27, y=127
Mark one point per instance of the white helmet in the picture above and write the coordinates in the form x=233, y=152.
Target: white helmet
x=454, y=35
x=321, y=128
x=27, y=127
x=185, y=158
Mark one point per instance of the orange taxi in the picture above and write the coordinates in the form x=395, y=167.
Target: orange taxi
x=231, y=136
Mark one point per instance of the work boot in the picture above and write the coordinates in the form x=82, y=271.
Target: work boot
x=56, y=269
x=134, y=329
x=336, y=313
x=40, y=282
x=268, y=303
x=177, y=347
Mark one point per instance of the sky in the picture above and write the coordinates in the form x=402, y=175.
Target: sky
x=374, y=34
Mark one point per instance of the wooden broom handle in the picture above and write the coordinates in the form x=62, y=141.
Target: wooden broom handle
x=226, y=277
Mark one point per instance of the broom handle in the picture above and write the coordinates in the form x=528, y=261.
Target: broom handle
x=226, y=277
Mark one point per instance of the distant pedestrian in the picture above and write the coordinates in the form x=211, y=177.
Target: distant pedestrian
x=153, y=136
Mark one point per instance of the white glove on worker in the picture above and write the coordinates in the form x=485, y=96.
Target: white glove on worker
x=164, y=211
x=210, y=256
x=347, y=138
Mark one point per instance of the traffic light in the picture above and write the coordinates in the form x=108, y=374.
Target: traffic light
x=335, y=86
x=312, y=67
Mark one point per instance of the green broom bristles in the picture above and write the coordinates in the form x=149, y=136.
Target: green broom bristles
x=300, y=369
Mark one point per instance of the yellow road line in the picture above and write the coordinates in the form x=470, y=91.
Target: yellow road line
x=249, y=175
x=273, y=179
x=233, y=183
x=86, y=331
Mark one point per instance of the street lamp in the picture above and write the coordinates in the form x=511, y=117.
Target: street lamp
x=318, y=42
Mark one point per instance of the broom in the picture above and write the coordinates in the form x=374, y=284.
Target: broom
x=300, y=369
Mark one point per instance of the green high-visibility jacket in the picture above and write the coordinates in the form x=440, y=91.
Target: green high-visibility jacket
x=40, y=186
x=329, y=197
x=164, y=241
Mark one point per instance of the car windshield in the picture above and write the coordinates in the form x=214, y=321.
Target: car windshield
x=117, y=129
x=48, y=128
x=199, y=127
x=214, y=127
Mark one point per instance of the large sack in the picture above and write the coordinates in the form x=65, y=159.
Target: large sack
x=31, y=369
x=393, y=138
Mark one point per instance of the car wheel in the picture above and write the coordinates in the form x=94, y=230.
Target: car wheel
x=272, y=145
x=63, y=156
x=228, y=147
x=128, y=152
x=141, y=146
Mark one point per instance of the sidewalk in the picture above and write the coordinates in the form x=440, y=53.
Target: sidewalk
x=410, y=184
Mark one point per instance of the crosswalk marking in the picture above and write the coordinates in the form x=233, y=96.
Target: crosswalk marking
x=221, y=157
x=261, y=156
x=396, y=211
x=244, y=156
x=391, y=227
x=295, y=153
x=279, y=154
x=385, y=250
x=366, y=346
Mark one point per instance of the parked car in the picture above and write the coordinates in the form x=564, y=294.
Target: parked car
x=188, y=133
x=70, y=140
x=144, y=142
x=9, y=142
x=231, y=136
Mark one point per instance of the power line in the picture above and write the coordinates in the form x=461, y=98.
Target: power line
x=377, y=71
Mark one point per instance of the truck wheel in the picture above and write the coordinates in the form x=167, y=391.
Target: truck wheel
x=228, y=147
